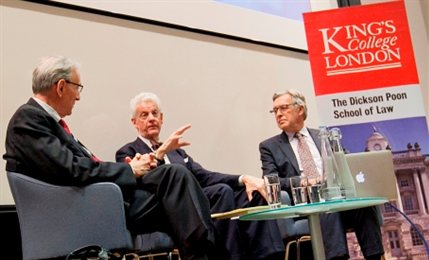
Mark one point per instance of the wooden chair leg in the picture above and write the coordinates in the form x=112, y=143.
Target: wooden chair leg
x=298, y=249
x=288, y=245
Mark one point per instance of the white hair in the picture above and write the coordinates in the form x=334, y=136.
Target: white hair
x=141, y=98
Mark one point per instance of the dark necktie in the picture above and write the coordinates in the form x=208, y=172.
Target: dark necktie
x=67, y=129
x=307, y=162
x=154, y=148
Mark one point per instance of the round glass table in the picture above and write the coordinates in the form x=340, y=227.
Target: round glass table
x=313, y=211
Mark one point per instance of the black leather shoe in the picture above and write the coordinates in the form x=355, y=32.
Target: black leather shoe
x=276, y=256
x=375, y=257
x=341, y=257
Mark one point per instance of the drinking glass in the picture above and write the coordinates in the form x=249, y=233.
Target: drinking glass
x=298, y=185
x=272, y=185
x=314, y=186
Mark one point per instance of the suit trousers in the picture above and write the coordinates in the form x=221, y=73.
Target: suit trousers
x=170, y=199
x=364, y=223
x=244, y=240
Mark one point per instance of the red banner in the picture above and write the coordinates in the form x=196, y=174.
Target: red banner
x=366, y=83
x=354, y=49
x=363, y=65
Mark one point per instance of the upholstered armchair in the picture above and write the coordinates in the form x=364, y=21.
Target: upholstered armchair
x=55, y=220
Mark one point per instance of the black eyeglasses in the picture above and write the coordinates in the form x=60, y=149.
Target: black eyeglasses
x=281, y=108
x=79, y=86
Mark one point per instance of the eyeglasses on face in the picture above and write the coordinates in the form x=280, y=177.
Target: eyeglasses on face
x=145, y=115
x=281, y=108
x=79, y=86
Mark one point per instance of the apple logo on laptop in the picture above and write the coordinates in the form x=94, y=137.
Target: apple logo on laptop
x=360, y=177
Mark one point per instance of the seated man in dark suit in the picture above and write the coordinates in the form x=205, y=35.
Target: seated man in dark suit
x=243, y=239
x=39, y=144
x=280, y=154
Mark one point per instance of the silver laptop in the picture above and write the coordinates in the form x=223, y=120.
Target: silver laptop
x=373, y=174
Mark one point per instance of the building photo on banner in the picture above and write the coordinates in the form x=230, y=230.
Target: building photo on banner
x=366, y=84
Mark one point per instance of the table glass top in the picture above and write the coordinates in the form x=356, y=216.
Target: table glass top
x=314, y=208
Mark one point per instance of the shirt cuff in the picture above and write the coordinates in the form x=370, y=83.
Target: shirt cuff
x=240, y=180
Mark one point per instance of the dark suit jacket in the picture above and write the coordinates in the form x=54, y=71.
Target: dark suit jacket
x=261, y=238
x=277, y=156
x=204, y=177
x=37, y=145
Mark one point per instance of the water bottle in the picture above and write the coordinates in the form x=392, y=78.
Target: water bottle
x=347, y=184
x=331, y=184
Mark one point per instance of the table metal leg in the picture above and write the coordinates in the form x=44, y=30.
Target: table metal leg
x=316, y=237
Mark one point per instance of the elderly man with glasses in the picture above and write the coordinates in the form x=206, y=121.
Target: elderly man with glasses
x=280, y=154
x=40, y=144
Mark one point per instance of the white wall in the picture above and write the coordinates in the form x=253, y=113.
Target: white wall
x=222, y=87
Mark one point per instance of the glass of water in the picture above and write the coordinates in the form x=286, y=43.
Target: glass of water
x=298, y=185
x=314, y=188
x=272, y=185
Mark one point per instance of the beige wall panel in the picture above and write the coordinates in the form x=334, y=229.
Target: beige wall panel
x=222, y=87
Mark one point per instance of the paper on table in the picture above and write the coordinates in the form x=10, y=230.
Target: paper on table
x=238, y=212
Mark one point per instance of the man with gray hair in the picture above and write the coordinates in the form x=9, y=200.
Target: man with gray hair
x=39, y=144
x=280, y=155
x=244, y=240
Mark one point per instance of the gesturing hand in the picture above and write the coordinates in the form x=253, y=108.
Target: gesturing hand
x=173, y=142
